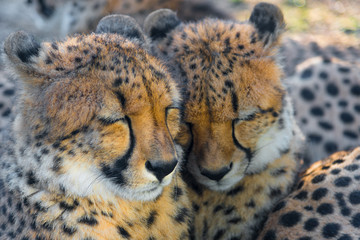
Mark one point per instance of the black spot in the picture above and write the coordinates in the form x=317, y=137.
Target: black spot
x=335, y=171
x=241, y=47
x=345, y=237
x=235, y=191
x=219, y=234
x=355, y=90
x=307, y=94
x=123, y=232
x=307, y=73
x=311, y=224
x=344, y=69
x=181, y=215
x=354, y=197
x=317, y=111
x=68, y=207
x=301, y=196
x=11, y=219
x=176, y=193
x=342, y=181
x=304, y=238
x=319, y=193
x=270, y=235
x=314, y=138
x=279, y=206
x=275, y=192
x=355, y=221
x=235, y=220
x=331, y=230
x=9, y=92
x=323, y=75
x=330, y=147
x=325, y=125
x=68, y=230
x=31, y=178
x=6, y=113
x=346, y=118
x=345, y=211
x=88, y=220
x=350, y=134
x=290, y=219
x=57, y=164
x=338, y=161
x=352, y=167
x=151, y=219
x=319, y=178
x=332, y=89
x=325, y=208
x=343, y=103
x=117, y=82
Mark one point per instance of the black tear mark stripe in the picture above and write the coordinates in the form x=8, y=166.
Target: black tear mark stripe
x=114, y=173
x=247, y=151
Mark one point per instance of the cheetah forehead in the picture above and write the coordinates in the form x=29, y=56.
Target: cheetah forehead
x=226, y=69
x=77, y=78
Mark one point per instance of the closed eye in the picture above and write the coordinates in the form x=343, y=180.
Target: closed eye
x=108, y=121
x=248, y=117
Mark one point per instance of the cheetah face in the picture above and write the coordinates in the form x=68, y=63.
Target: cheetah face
x=97, y=114
x=237, y=114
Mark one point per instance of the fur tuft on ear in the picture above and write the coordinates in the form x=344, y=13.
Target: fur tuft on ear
x=269, y=21
x=123, y=25
x=20, y=47
x=159, y=23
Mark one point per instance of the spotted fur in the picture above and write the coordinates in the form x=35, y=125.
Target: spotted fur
x=324, y=205
x=54, y=20
x=241, y=141
x=91, y=154
x=326, y=93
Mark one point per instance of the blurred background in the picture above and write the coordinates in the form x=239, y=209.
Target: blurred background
x=336, y=21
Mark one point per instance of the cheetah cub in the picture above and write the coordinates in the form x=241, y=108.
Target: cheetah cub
x=91, y=154
x=240, y=139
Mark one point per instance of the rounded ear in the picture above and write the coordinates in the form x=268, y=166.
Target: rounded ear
x=269, y=22
x=159, y=23
x=123, y=25
x=21, y=47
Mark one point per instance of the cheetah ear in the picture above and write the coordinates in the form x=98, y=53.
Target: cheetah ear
x=22, y=49
x=159, y=23
x=269, y=21
x=123, y=25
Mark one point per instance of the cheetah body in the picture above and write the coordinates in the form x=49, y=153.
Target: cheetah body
x=241, y=140
x=324, y=204
x=79, y=163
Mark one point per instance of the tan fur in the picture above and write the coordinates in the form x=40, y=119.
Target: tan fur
x=93, y=111
x=238, y=118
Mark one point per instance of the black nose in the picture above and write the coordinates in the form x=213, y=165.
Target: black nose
x=216, y=175
x=160, y=168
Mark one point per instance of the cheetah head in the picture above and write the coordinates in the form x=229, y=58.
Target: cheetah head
x=97, y=114
x=235, y=106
